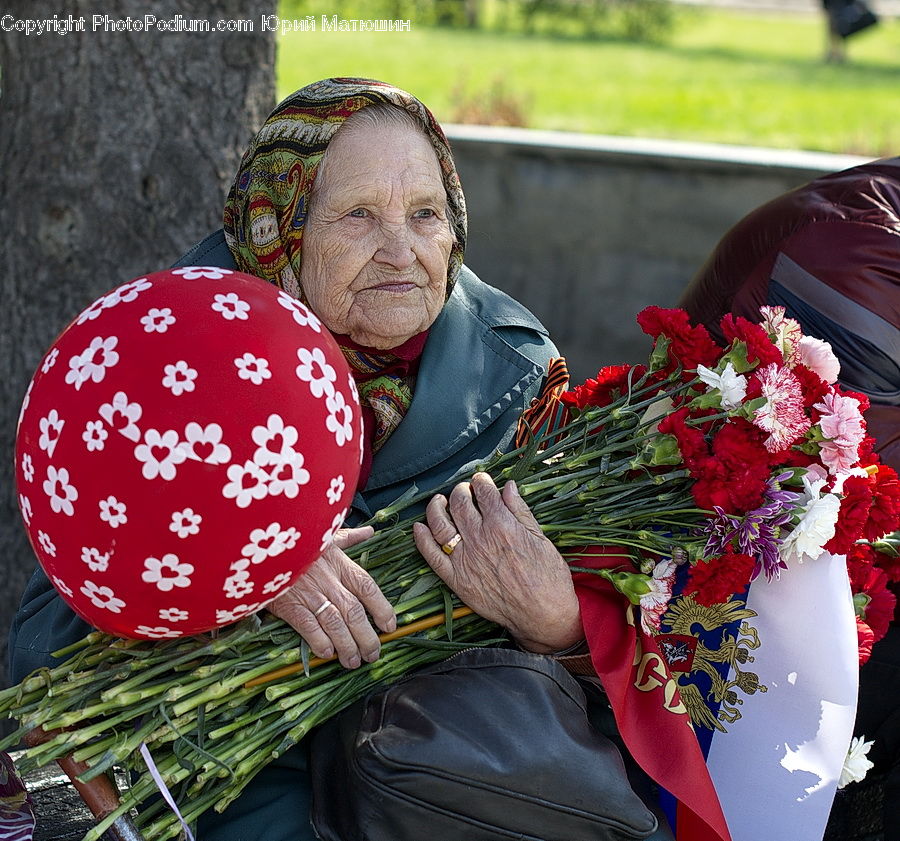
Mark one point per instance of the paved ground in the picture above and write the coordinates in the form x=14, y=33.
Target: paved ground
x=886, y=8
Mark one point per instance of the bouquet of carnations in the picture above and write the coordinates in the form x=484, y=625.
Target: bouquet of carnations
x=706, y=468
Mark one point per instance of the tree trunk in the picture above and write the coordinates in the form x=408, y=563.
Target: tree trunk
x=116, y=150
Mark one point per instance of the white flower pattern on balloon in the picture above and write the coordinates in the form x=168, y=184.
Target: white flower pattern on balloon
x=179, y=378
x=238, y=584
x=157, y=633
x=335, y=490
x=27, y=467
x=51, y=428
x=354, y=391
x=94, y=436
x=274, y=441
x=205, y=444
x=167, y=572
x=113, y=512
x=301, y=313
x=340, y=418
x=196, y=272
x=91, y=312
x=61, y=493
x=61, y=585
x=245, y=483
x=96, y=560
x=158, y=320
x=102, y=597
x=161, y=454
x=231, y=307
x=25, y=508
x=239, y=612
x=253, y=368
x=126, y=293
x=92, y=362
x=316, y=371
x=185, y=523
x=173, y=614
x=123, y=416
x=287, y=477
x=328, y=537
x=269, y=542
x=50, y=360
x=25, y=401
x=277, y=583
x=46, y=543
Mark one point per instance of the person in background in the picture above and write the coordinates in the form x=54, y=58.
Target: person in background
x=829, y=252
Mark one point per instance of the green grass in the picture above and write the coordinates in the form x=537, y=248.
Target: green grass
x=722, y=76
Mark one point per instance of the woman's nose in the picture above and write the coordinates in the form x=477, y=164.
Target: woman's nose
x=395, y=249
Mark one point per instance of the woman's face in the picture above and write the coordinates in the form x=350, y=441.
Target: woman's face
x=377, y=240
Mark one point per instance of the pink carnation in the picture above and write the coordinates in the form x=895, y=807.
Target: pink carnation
x=819, y=358
x=842, y=425
x=782, y=416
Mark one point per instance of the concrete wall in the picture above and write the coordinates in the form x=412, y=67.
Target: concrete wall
x=587, y=230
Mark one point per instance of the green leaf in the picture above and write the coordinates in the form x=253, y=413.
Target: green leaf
x=660, y=356
x=448, y=612
x=663, y=450
x=304, y=656
x=711, y=399
x=423, y=583
x=737, y=356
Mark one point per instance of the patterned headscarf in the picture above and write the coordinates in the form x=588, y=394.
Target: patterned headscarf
x=267, y=207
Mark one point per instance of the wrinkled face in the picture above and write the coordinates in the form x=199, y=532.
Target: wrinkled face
x=377, y=241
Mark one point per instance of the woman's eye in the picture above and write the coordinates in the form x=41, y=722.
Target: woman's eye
x=358, y=213
x=425, y=213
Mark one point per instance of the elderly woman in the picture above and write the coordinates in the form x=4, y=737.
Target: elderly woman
x=349, y=199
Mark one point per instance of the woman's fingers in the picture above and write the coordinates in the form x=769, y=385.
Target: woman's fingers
x=369, y=596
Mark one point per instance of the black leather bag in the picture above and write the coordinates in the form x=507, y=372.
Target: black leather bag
x=853, y=17
x=489, y=745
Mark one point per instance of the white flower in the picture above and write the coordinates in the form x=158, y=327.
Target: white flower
x=102, y=597
x=27, y=467
x=274, y=441
x=158, y=320
x=61, y=493
x=245, y=483
x=179, y=378
x=253, y=368
x=340, y=418
x=25, y=508
x=815, y=529
x=61, y=585
x=92, y=362
x=167, y=572
x=277, y=583
x=173, y=614
x=126, y=293
x=50, y=360
x=160, y=454
x=336, y=491
x=314, y=370
x=269, y=542
x=857, y=763
x=91, y=312
x=25, y=401
x=185, y=523
x=223, y=616
x=157, y=633
x=231, y=306
x=238, y=585
x=654, y=603
x=96, y=561
x=301, y=313
x=113, y=512
x=205, y=444
x=123, y=416
x=335, y=525
x=353, y=389
x=94, y=435
x=51, y=428
x=46, y=543
x=286, y=477
x=732, y=385
x=196, y=272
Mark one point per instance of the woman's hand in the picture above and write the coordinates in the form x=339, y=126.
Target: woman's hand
x=503, y=568
x=346, y=591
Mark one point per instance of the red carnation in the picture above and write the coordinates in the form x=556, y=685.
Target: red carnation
x=877, y=614
x=716, y=580
x=611, y=382
x=814, y=388
x=690, y=345
x=691, y=441
x=884, y=515
x=865, y=640
x=889, y=563
x=759, y=345
x=855, y=505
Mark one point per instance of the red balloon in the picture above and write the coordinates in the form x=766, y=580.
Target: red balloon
x=188, y=446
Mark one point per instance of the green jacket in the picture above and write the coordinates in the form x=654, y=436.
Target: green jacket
x=484, y=361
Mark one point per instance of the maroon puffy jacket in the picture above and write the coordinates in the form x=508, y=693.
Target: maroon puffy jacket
x=829, y=252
